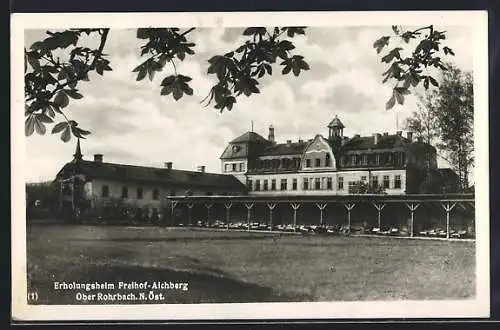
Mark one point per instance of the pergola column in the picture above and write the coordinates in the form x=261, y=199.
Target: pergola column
x=249, y=207
x=271, y=207
x=412, y=207
x=208, y=206
x=349, y=207
x=190, y=209
x=321, y=207
x=295, y=207
x=379, y=207
x=448, y=207
x=228, y=208
x=173, y=204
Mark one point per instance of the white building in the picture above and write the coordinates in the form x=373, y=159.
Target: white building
x=331, y=165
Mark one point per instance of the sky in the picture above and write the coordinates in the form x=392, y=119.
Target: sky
x=132, y=123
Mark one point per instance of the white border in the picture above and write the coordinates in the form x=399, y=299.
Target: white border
x=478, y=307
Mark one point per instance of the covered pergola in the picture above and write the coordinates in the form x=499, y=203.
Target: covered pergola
x=444, y=203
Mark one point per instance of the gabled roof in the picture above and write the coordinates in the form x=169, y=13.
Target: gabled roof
x=250, y=137
x=285, y=149
x=368, y=142
x=153, y=175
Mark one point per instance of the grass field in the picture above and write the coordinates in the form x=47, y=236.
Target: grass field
x=248, y=267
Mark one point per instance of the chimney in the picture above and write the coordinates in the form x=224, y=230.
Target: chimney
x=288, y=143
x=409, y=136
x=98, y=158
x=201, y=168
x=376, y=138
x=168, y=165
x=301, y=141
x=399, y=133
x=419, y=139
x=357, y=135
x=271, y=134
x=386, y=133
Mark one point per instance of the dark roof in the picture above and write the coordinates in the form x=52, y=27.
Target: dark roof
x=154, y=175
x=336, y=123
x=285, y=149
x=447, y=172
x=250, y=137
x=368, y=142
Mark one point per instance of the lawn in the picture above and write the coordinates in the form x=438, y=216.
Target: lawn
x=248, y=267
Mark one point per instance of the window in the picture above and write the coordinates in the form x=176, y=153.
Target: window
x=327, y=160
x=306, y=183
x=240, y=167
x=377, y=159
x=266, y=187
x=375, y=181
x=340, y=183
x=283, y=184
x=156, y=193
x=397, y=182
x=386, y=181
x=234, y=167
x=352, y=186
x=139, y=193
x=124, y=192
x=226, y=168
x=308, y=163
x=354, y=159
x=317, y=183
x=342, y=161
x=317, y=162
x=105, y=191
x=249, y=184
x=328, y=183
x=273, y=184
x=389, y=159
x=364, y=159
x=294, y=184
x=363, y=178
x=257, y=185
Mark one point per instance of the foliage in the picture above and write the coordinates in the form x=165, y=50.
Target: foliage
x=363, y=187
x=423, y=121
x=446, y=115
x=455, y=115
x=51, y=82
x=409, y=71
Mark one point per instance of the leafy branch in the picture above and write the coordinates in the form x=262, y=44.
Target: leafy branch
x=238, y=71
x=408, y=72
x=50, y=82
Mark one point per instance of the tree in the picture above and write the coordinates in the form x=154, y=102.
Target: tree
x=423, y=123
x=51, y=79
x=446, y=116
x=455, y=115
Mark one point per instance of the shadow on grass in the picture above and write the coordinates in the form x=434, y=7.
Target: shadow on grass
x=174, y=239
x=202, y=287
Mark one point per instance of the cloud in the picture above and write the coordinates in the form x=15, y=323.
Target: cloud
x=132, y=123
x=347, y=97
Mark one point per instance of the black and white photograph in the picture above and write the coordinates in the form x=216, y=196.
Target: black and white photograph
x=189, y=166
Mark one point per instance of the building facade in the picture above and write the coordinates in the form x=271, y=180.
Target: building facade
x=334, y=165
x=89, y=185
